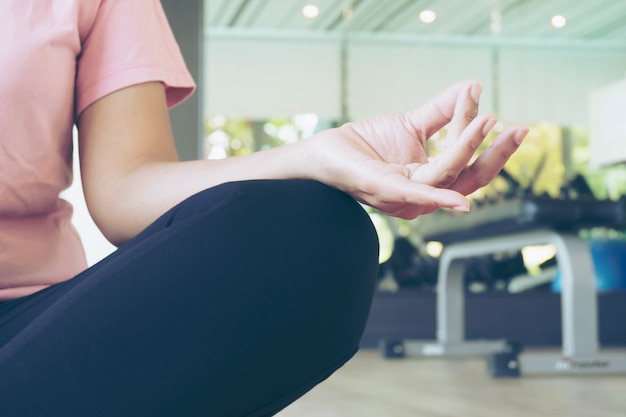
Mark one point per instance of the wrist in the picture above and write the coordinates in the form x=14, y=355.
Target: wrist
x=317, y=157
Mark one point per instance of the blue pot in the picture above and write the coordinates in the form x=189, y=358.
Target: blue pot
x=609, y=263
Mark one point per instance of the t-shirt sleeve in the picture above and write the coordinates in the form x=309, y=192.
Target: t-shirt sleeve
x=130, y=42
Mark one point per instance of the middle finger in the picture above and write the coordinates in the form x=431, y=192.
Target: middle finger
x=491, y=161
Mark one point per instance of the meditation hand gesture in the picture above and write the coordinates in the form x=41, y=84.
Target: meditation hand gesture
x=383, y=161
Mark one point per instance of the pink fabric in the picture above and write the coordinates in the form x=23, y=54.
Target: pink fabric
x=57, y=58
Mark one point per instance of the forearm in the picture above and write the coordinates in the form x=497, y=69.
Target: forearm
x=127, y=203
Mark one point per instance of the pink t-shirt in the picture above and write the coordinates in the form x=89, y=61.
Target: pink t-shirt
x=57, y=58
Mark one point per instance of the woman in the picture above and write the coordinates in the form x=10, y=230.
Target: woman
x=238, y=284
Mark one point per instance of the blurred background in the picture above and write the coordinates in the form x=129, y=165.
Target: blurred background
x=272, y=72
x=278, y=71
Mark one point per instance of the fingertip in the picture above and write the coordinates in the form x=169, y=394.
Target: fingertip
x=464, y=208
x=475, y=90
x=457, y=201
x=490, y=122
x=520, y=135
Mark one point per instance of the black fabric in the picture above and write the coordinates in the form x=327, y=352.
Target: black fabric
x=234, y=303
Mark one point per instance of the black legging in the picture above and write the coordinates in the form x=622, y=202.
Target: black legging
x=234, y=303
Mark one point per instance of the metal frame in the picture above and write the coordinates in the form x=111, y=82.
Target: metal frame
x=580, y=351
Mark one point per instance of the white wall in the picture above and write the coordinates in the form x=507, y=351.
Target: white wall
x=607, y=134
x=554, y=85
x=262, y=79
x=385, y=78
x=269, y=77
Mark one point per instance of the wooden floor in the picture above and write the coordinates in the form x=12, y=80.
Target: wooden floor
x=370, y=385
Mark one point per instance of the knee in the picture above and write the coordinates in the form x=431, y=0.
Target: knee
x=308, y=211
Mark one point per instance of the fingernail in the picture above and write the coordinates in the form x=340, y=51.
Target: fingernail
x=519, y=136
x=489, y=124
x=475, y=91
x=464, y=209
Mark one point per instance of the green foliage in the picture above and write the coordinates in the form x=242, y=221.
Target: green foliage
x=227, y=137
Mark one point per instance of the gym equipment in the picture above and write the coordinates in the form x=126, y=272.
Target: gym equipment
x=505, y=363
x=512, y=226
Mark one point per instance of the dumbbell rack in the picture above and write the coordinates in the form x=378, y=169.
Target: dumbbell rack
x=580, y=355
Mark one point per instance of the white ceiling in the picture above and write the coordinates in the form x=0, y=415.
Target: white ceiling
x=601, y=22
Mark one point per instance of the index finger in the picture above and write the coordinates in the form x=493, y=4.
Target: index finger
x=433, y=115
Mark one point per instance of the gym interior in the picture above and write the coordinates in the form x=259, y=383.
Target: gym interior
x=517, y=308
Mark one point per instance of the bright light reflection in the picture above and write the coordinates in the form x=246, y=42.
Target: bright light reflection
x=428, y=16
x=558, y=21
x=306, y=123
x=236, y=144
x=217, y=152
x=288, y=134
x=434, y=249
x=385, y=237
x=404, y=230
x=219, y=143
x=270, y=129
x=534, y=256
x=219, y=138
x=310, y=11
x=217, y=122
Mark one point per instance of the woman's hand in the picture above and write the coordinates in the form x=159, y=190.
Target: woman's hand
x=383, y=161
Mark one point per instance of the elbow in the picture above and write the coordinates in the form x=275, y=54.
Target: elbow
x=116, y=237
x=113, y=229
x=111, y=217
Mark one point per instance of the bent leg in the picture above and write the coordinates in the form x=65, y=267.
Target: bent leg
x=228, y=306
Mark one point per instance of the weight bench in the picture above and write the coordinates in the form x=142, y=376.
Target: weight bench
x=580, y=353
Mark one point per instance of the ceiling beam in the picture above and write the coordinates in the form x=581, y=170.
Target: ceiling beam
x=339, y=19
x=242, y=6
x=388, y=37
x=394, y=14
